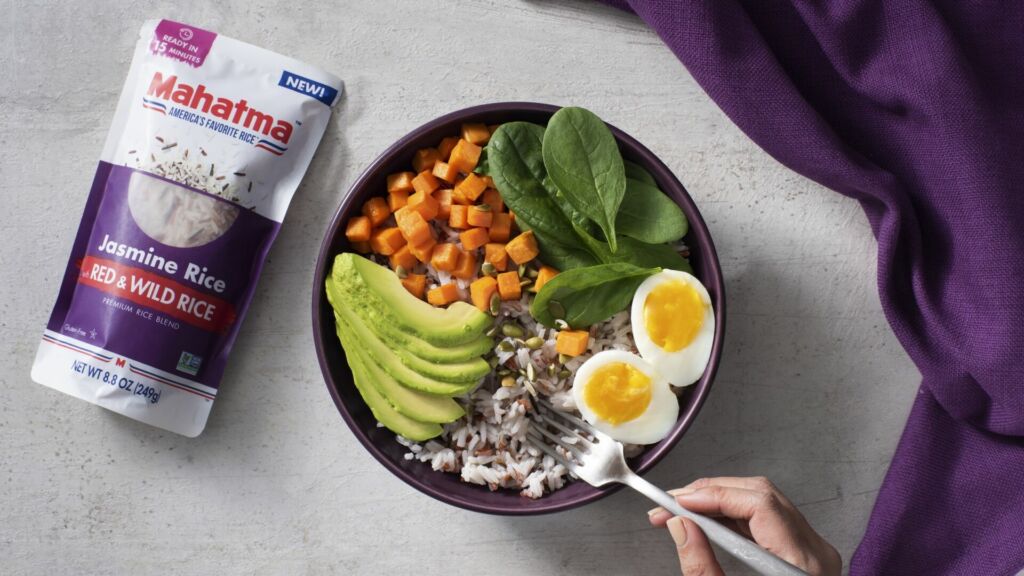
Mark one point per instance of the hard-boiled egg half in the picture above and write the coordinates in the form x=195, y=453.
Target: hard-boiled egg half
x=673, y=325
x=623, y=396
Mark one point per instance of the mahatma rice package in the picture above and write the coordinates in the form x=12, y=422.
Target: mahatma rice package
x=210, y=139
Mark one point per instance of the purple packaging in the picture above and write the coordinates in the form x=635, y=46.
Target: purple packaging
x=210, y=139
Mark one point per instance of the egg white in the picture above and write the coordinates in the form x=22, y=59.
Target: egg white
x=649, y=427
x=685, y=366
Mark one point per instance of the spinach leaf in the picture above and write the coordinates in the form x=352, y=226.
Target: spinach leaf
x=647, y=214
x=563, y=256
x=637, y=172
x=516, y=164
x=588, y=295
x=584, y=163
x=633, y=251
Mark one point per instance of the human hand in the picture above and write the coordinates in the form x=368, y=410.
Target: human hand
x=755, y=508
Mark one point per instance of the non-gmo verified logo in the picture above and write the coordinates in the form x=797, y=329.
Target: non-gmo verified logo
x=307, y=87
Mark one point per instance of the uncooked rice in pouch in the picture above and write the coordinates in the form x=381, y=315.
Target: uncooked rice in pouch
x=210, y=139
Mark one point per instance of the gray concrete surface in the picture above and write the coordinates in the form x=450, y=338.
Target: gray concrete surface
x=813, y=390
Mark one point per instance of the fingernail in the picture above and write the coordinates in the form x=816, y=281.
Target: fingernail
x=681, y=491
x=654, y=511
x=677, y=530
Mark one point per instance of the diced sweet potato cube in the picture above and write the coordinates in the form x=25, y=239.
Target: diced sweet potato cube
x=508, y=285
x=423, y=251
x=424, y=159
x=443, y=295
x=397, y=200
x=416, y=284
x=445, y=257
x=402, y=257
x=459, y=197
x=492, y=198
x=472, y=186
x=545, y=274
x=473, y=238
x=464, y=156
x=413, y=226
x=425, y=182
x=446, y=146
x=481, y=290
x=488, y=181
x=386, y=241
x=459, y=217
x=496, y=255
x=376, y=209
x=444, y=203
x=425, y=204
x=479, y=216
x=466, y=267
x=501, y=227
x=358, y=229
x=522, y=248
x=572, y=342
x=444, y=171
x=362, y=247
x=400, y=182
x=476, y=133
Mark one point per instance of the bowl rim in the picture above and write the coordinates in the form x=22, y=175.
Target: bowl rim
x=698, y=227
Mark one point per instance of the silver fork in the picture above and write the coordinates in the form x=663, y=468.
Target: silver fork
x=600, y=461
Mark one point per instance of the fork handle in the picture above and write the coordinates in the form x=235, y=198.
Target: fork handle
x=744, y=550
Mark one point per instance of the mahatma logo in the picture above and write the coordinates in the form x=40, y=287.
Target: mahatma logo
x=276, y=132
x=307, y=87
x=119, y=362
x=185, y=34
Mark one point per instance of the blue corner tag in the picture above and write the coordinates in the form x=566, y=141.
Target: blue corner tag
x=307, y=87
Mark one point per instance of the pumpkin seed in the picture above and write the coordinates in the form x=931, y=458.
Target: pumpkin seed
x=534, y=342
x=512, y=330
x=495, y=304
x=556, y=309
x=522, y=270
x=492, y=331
x=564, y=373
x=525, y=282
x=508, y=382
x=532, y=272
x=493, y=361
x=483, y=207
x=563, y=358
x=552, y=369
x=401, y=272
x=488, y=269
x=506, y=346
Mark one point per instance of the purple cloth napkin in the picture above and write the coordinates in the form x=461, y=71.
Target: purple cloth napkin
x=916, y=110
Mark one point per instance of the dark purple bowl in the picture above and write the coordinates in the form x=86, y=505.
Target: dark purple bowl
x=380, y=442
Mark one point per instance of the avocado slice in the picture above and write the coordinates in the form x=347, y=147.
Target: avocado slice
x=417, y=405
x=380, y=288
x=376, y=351
x=385, y=328
x=384, y=412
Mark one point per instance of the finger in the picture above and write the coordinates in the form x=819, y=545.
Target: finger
x=695, y=553
x=729, y=502
x=752, y=483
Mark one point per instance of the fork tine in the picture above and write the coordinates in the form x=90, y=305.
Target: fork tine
x=539, y=442
x=576, y=451
x=579, y=423
x=569, y=431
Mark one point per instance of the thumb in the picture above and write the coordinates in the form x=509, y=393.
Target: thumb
x=696, y=558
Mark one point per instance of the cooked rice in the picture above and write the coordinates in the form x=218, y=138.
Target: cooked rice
x=488, y=446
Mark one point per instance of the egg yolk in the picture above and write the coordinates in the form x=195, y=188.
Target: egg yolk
x=673, y=315
x=617, y=392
